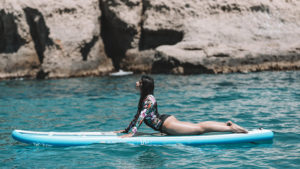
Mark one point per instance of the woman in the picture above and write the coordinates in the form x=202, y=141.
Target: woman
x=147, y=112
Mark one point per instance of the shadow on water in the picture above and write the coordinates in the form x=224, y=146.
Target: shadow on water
x=149, y=158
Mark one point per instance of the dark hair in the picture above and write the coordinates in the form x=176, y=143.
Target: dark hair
x=147, y=87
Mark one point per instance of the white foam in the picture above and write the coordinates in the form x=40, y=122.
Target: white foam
x=121, y=73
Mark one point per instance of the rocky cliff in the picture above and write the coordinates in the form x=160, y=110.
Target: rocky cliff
x=65, y=38
x=51, y=39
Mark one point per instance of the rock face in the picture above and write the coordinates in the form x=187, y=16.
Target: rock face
x=63, y=38
x=186, y=37
x=234, y=36
x=18, y=57
x=51, y=39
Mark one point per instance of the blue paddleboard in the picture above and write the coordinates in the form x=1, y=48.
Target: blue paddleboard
x=86, y=138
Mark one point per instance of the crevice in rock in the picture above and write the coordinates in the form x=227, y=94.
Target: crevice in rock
x=195, y=69
x=145, y=4
x=164, y=65
x=221, y=55
x=174, y=66
x=38, y=30
x=260, y=8
x=41, y=74
x=130, y=3
x=66, y=10
x=117, y=36
x=87, y=48
x=151, y=39
x=231, y=8
x=193, y=48
x=10, y=40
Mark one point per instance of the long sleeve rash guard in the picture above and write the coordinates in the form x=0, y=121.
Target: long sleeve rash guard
x=148, y=114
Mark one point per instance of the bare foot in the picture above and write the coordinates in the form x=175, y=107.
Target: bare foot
x=236, y=128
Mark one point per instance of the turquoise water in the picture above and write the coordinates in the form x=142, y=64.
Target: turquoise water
x=270, y=100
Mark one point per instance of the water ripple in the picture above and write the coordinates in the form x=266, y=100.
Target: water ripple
x=270, y=100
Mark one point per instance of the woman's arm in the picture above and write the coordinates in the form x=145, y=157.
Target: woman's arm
x=132, y=123
x=120, y=131
x=146, y=109
x=139, y=121
x=127, y=135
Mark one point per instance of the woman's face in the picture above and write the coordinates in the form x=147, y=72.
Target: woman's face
x=138, y=85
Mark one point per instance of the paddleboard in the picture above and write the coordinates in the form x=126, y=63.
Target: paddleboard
x=86, y=138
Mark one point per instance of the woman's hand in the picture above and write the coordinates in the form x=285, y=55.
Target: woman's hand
x=127, y=135
x=120, y=131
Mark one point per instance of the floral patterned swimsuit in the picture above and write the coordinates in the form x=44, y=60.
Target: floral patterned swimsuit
x=149, y=115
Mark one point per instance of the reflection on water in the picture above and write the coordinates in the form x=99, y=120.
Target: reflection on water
x=149, y=158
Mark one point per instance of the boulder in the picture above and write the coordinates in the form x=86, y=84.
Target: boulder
x=18, y=57
x=65, y=34
x=138, y=61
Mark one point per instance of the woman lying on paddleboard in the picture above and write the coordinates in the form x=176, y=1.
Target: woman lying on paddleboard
x=168, y=124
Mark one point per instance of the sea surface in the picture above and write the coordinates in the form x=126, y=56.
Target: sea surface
x=269, y=100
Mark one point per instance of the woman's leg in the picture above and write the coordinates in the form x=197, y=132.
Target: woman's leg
x=212, y=126
x=174, y=127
